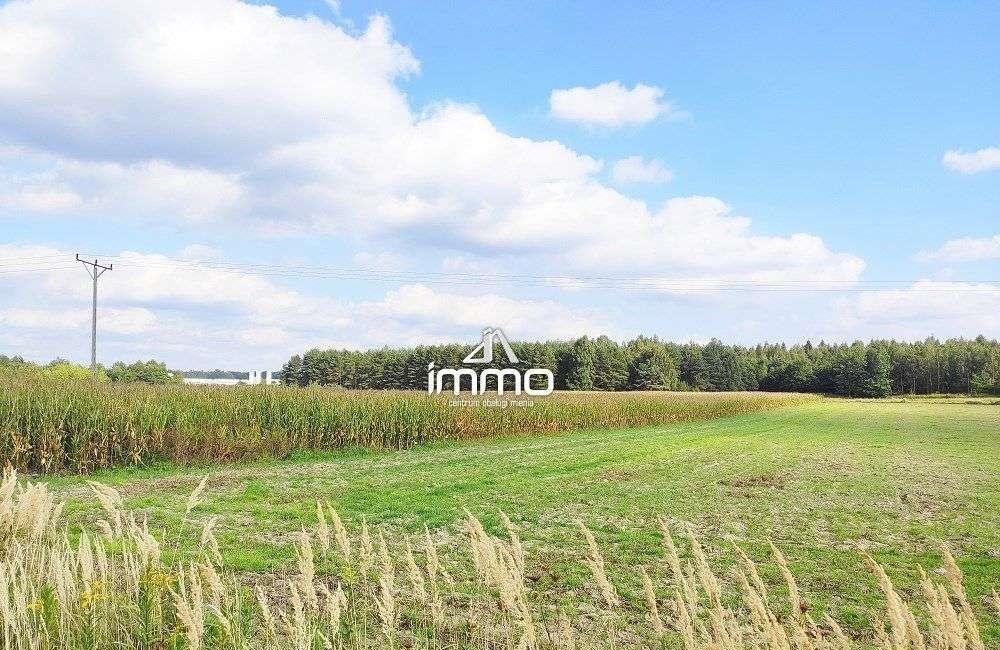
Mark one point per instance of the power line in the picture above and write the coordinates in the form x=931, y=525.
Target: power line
x=643, y=283
x=314, y=268
x=29, y=269
x=35, y=257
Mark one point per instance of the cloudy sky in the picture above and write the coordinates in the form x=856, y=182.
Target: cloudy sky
x=270, y=178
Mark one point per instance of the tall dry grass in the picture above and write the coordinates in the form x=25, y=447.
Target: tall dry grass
x=49, y=425
x=111, y=587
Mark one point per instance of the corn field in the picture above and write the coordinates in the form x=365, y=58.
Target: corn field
x=78, y=426
x=112, y=587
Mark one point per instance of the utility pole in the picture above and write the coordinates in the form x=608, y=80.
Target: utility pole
x=94, y=270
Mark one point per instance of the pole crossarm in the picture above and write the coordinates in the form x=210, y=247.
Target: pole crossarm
x=95, y=266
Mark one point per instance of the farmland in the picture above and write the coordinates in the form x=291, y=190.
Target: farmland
x=78, y=426
x=825, y=480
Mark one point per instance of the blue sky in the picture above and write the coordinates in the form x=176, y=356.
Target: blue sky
x=782, y=146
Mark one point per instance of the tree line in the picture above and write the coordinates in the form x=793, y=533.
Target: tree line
x=148, y=372
x=120, y=372
x=874, y=369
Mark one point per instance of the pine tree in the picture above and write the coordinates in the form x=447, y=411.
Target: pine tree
x=578, y=365
x=610, y=365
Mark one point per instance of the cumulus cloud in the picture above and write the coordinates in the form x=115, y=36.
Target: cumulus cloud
x=217, y=111
x=220, y=314
x=550, y=319
x=20, y=196
x=926, y=307
x=195, y=82
x=973, y=162
x=965, y=249
x=611, y=105
x=151, y=305
x=152, y=189
x=229, y=115
x=699, y=237
x=118, y=321
x=635, y=169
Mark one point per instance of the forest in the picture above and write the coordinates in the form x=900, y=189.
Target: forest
x=877, y=368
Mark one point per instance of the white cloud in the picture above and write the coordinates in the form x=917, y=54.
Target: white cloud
x=611, y=105
x=214, y=314
x=36, y=198
x=926, y=307
x=41, y=318
x=965, y=249
x=117, y=321
x=451, y=168
x=544, y=318
x=151, y=305
x=974, y=162
x=152, y=189
x=224, y=112
x=191, y=81
x=211, y=314
x=697, y=237
x=264, y=336
x=201, y=253
x=635, y=169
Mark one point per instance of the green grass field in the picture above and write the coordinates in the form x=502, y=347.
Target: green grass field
x=823, y=480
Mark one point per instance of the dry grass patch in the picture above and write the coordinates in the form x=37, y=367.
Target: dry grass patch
x=112, y=587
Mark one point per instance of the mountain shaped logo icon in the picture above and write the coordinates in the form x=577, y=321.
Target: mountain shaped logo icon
x=491, y=336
